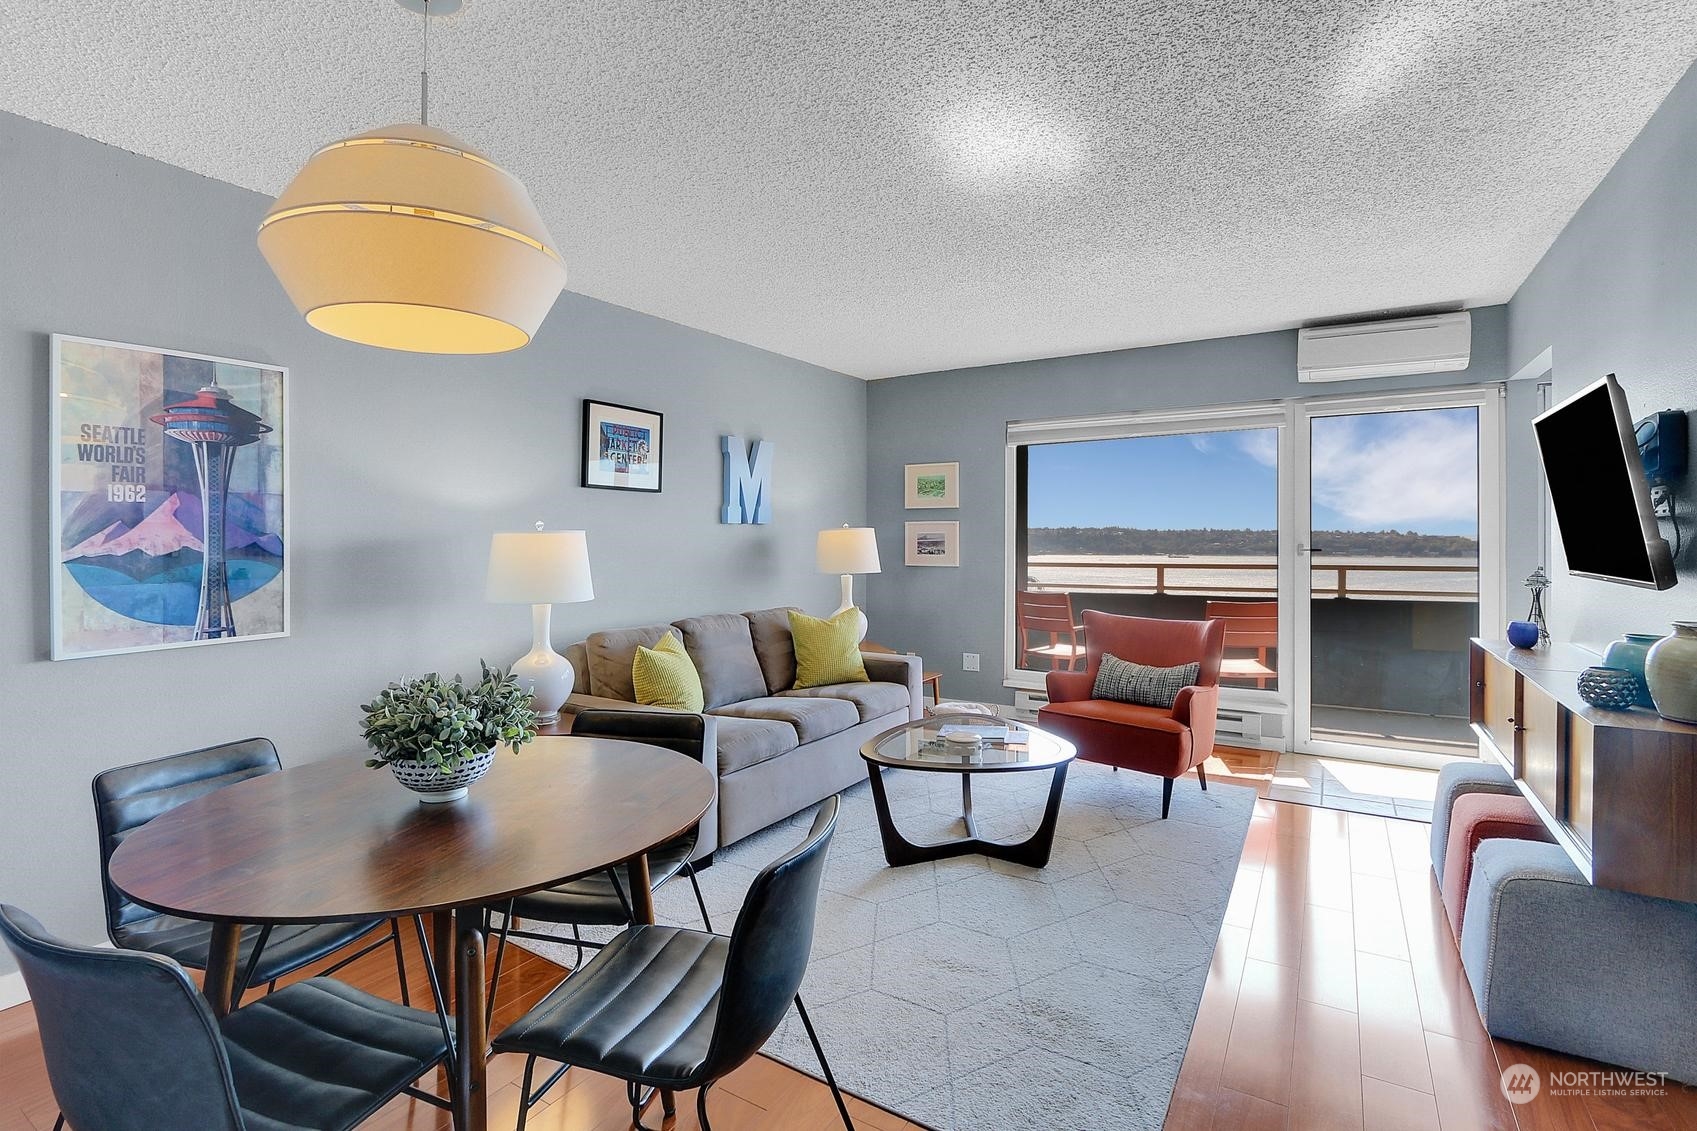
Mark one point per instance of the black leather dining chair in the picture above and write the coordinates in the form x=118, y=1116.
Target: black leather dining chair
x=131, y=1045
x=672, y=1008
x=600, y=899
x=128, y=797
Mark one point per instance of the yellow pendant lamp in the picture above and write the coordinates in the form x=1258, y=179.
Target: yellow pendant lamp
x=406, y=238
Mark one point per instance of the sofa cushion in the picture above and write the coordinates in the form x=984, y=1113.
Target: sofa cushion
x=1121, y=734
x=872, y=700
x=827, y=651
x=723, y=651
x=610, y=656
x=1128, y=682
x=749, y=742
x=811, y=718
x=578, y=657
x=664, y=676
x=774, y=647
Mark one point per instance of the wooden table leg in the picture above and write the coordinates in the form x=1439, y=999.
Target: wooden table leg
x=641, y=889
x=221, y=962
x=471, y=1098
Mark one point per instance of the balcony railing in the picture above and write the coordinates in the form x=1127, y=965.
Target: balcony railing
x=1448, y=580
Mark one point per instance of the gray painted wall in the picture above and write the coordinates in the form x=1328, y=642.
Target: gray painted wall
x=962, y=415
x=1617, y=292
x=402, y=466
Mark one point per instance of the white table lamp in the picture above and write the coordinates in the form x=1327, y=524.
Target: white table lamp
x=849, y=550
x=541, y=568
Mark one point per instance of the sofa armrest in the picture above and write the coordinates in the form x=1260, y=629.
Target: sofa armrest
x=581, y=701
x=1067, y=687
x=888, y=667
x=1198, y=708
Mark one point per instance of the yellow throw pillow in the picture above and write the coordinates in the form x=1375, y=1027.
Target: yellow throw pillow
x=664, y=676
x=827, y=651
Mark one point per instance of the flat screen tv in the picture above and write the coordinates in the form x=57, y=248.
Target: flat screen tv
x=1597, y=488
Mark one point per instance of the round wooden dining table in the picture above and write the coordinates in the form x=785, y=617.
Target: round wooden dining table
x=334, y=841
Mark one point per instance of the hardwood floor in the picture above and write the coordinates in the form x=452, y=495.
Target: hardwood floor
x=1335, y=1000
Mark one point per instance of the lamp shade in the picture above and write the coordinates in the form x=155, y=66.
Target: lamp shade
x=539, y=567
x=406, y=238
x=848, y=549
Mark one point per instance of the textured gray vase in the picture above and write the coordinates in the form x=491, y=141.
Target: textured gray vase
x=1671, y=671
x=433, y=786
x=1629, y=652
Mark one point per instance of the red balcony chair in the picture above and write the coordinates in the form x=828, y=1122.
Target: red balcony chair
x=1039, y=615
x=1154, y=740
x=1250, y=625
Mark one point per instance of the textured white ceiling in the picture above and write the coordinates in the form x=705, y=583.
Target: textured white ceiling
x=893, y=186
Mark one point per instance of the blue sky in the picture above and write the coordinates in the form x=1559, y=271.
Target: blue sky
x=1381, y=471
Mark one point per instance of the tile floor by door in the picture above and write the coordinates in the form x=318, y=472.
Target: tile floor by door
x=1355, y=787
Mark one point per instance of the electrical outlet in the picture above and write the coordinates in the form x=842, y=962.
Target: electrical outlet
x=969, y=661
x=1661, y=499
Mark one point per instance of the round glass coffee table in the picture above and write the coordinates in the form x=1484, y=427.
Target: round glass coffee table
x=1004, y=748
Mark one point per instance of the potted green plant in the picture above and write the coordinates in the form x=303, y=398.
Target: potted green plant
x=438, y=736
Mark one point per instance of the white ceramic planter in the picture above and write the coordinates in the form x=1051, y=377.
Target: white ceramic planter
x=433, y=786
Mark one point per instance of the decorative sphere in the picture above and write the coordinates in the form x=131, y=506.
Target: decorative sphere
x=1522, y=634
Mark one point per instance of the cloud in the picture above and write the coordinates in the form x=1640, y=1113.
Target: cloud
x=1398, y=470
x=1261, y=445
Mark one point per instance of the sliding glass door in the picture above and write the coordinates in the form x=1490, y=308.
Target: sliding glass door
x=1351, y=545
x=1397, y=550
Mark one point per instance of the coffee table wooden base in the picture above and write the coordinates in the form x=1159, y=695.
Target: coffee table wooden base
x=1032, y=852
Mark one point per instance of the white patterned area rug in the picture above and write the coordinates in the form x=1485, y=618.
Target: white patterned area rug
x=976, y=995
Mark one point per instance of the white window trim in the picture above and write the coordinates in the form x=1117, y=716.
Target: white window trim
x=1290, y=417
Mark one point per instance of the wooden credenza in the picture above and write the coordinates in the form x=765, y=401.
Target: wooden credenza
x=1618, y=789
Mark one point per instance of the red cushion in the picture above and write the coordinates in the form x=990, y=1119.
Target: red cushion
x=1122, y=734
x=1482, y=816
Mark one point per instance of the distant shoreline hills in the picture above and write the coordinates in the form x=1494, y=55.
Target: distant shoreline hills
x=1125, y=540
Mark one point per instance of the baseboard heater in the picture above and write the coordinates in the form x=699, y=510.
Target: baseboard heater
x=1241, y=726
x=1233, y=727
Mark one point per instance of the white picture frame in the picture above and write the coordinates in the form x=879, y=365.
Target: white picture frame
x=932, y=543
x=114, y=410
x=931, y=486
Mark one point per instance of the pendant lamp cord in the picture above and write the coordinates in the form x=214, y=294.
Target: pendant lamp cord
x=424, y=75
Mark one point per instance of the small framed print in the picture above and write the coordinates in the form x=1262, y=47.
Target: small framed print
x=932, y=485
x=622, y=447
x=933, y=543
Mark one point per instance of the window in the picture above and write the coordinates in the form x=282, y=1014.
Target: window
x=1178, y=525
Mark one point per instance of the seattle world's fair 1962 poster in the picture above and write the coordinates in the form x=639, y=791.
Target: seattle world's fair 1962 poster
x=169, y=499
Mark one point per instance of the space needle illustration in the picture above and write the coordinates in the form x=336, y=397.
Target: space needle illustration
x=214, y=428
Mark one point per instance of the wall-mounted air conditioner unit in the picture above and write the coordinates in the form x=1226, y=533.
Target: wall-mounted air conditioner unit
x=1435, y=343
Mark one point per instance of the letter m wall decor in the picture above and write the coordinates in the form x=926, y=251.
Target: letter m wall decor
x=748, y=482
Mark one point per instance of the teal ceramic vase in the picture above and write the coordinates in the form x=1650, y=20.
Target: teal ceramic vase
x=1629, y=654
x=1671, y=671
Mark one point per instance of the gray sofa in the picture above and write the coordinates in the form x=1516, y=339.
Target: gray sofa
x=777, y=749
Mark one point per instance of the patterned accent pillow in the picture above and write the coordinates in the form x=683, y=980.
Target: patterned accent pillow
x=1127, y=682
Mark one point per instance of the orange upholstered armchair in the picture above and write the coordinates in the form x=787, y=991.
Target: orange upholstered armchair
x=1154, y=740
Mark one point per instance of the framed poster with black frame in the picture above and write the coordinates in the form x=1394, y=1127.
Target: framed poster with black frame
x=622, y=447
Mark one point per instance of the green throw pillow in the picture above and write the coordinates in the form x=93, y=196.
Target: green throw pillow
x=827, y=651
x=664, y=676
